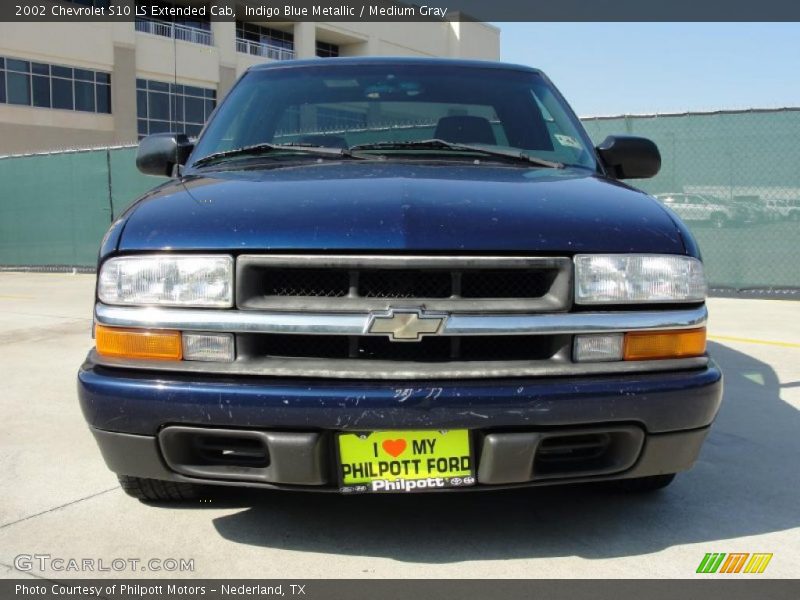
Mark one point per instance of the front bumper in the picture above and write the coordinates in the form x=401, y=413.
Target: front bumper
x=666, y=415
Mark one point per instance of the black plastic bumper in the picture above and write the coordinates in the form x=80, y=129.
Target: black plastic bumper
x=303, y=462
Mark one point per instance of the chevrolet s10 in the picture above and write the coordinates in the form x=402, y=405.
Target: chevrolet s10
x=394, y=275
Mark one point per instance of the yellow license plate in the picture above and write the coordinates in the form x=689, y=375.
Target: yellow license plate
x=405, y=461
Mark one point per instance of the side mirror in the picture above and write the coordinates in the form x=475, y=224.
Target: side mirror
x=159, y=153
x=629, y=157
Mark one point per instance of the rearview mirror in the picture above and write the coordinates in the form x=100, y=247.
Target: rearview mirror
x=630, y=157
x=159, y=153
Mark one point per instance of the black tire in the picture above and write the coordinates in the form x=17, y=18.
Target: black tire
x=644, y=484
x=155, y=490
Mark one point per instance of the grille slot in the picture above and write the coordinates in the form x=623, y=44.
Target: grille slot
x=405, y=284
x=507, y=283
x=510, y=347
x=317, y=283
x=429, y=349
x=295, y=346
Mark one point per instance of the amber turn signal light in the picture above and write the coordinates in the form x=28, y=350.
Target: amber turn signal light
x=157, y=344
x=653, y=345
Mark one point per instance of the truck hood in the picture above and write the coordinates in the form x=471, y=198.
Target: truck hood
x=400, y=206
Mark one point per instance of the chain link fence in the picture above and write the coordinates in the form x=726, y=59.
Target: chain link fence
x=734, y=179
x=732, y=176
x=55, y=208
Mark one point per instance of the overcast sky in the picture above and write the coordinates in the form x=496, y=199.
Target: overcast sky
x=614, y=68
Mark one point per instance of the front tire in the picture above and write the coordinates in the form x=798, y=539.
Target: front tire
x=155, y=490
x=640, y=485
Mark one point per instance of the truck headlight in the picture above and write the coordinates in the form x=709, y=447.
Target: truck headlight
x=167, y=280
x=631, y=279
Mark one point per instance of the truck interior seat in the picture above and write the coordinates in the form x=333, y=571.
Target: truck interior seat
x=465, y=130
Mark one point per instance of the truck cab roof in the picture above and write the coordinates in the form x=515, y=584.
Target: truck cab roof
x=393, y=60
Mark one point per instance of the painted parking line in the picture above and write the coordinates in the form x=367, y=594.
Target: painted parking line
x=730, y=338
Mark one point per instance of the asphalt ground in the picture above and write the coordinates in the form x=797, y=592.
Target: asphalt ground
x=60, y=500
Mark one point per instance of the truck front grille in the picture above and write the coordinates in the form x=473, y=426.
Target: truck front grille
x=357, y=283
x=371, y=284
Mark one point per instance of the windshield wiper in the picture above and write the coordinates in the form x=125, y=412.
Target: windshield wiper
x=437, y=144
x=266, y=148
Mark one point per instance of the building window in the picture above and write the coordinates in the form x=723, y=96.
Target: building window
x=263, y=41
x=326, y=50
x=42, y=85
x=257, y=33
x=192, y=29
x=166, y=107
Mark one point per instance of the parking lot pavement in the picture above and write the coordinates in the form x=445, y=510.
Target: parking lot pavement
x=60, y=500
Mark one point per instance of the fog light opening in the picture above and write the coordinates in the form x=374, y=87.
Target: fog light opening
x=598, y=348
x=217, y=347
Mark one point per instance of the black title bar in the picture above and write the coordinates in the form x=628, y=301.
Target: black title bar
x=418, y=10
x=733, y=588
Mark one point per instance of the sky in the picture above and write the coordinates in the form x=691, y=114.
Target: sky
x=615, y=68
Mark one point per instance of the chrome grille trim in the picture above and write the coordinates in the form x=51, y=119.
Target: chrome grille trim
x=389, y=261
x=330, y=323
x=383, y=370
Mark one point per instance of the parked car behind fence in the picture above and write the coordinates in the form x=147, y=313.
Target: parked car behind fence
x=710, y=210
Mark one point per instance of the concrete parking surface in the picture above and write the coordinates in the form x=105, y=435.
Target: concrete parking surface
x=59, y=498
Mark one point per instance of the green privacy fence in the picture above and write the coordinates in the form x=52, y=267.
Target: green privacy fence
x=733, y=177
x=55, y=208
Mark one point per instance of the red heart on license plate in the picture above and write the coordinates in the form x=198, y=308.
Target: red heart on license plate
x=394, y=447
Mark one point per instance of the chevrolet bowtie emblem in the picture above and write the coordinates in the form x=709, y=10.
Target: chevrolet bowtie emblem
x=406, y=325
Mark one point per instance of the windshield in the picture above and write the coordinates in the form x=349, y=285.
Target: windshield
x=346, y=105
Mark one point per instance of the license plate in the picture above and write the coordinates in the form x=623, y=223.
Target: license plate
x=405, y=461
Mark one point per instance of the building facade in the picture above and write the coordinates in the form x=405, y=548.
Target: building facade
x=77, y=85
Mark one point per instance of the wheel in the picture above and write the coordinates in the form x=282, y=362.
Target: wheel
x=645, y=484
x=718, y=220
x=155, y=490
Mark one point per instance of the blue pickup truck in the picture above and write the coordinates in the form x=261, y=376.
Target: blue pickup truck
x=397, y=275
